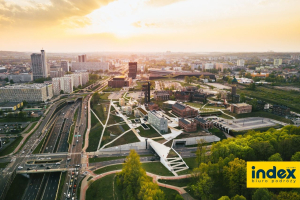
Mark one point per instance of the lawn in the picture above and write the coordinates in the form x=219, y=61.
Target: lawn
x=101, y=189
x=104, y=96
x=101, y=159
x=169, y=193
x=259, y=114
x=179, y=182
x=264, y=129
x=194, y=104
x=11, y=147
x=3, y=165
x=152, y=167
x=148, y=133
x=17, y=187
x=31, y=127
x=191, y=163
x=94, y=137
x=16, y=119
x=127, y=138
x=217, y=132
x=61, y=183
x=109, y=89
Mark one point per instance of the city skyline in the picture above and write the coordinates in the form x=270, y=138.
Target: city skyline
x=150, y=26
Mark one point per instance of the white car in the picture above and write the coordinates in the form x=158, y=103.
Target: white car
x=20, y=167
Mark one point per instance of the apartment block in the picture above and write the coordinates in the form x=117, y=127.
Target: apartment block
x=158, y=121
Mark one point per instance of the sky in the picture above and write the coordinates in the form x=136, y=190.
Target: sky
x=150, y=25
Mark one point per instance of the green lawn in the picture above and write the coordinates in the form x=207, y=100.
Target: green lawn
x=101, y=189
x=71, y=135
x=152, y=167
x=127, y=138
x=191, y=163
x=217, y=132
x=31, y=127
x=104, y=96
x=194, y=104
x=94, y=137
x=169, y=193
x=3, y=165
x=16, y=119
x=61, y=184
x=148, y=133
x=101, y=159
x=179, y=183
x=17, y=188
x=11, y=147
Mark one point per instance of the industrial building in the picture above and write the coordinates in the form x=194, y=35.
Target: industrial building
x=120, y=81
x=240, y=108
x=183, y=110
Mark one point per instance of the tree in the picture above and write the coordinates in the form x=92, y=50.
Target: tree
x=6, y=79
x=291, y=195
x=296, y=156
x=11, y=81
x=263, y=150
x=61, y=92
x=252, y=86
x=261, y=194
x=229, y=81
x=254, y=104
x=237, y=197
x=21, y=115
x=179, y=197
x=200, y=152
x=275, y=157
x=235, y=174
x=224, y=198
x=242, y=97
x=203, y=187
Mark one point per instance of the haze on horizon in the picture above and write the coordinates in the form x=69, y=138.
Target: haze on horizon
x=150, y=25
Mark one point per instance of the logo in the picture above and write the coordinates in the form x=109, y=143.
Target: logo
x=273, y=174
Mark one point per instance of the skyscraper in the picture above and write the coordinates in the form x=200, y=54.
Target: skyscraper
x=39, y=65
x=82, y=58
x=132, y=69
x=65, y=65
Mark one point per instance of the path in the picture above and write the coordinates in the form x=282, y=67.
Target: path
x=97, y=117
x=104, y=127
x=226, y=114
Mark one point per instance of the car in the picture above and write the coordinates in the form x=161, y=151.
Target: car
x=71, y=180
x=74, y=190
x=73, y=198
x=73, y=173
x=48, y=167
x=69, y=195
x=29, y=168
x=20, y=167
x=70, y=186
x=72, y=176
x=43, y=165
x=58, y=163
x=74, y=186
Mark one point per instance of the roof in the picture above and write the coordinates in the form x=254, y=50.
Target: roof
x=241, y=104
x=119, y=77
x=142, y=110
x=200, y=120
x=170, y=102
x=185, y=121
x=179, y=106
x=234, y=80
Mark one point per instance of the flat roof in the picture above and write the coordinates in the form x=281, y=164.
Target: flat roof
x=119, y=77
x=241, y=104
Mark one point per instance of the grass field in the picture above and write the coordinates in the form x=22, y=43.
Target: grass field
x=31, y=127
x=3, y=165
x=259, y=114
x=17, y=187
x=191, y=163
x=61, y=184
x=217, y=132
x=178, y=183
x=94, y=137
x=127, y=138
x=16, y=119
x=148, y=133
x=11, y=147
x=101, y=159
x=169, y=193
x=152, y=167
x=102, y=189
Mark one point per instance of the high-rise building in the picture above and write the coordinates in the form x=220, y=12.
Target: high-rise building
x=277, y=62
x=65, y=65
x=132, y=66
x=82, y=58
x=68, y=84
x=240, y=63
x=146, y=90
x=39, y=65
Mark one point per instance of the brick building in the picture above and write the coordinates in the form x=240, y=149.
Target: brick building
x=240, y=108
x=182, y=96
x=203, y=123
x=132, y=69
x=162, y=95
x=187, y=125
x=281, y=110
x=184, y=110
x=153, y=106
x=120, y=81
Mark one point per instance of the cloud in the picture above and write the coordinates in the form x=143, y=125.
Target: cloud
x=159, y=3
x=50, y=13
x=140, y=24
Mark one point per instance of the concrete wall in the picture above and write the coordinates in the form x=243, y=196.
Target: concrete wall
x=193, y=140
x=127, y=147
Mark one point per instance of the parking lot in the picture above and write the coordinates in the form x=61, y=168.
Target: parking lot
x=116, y=95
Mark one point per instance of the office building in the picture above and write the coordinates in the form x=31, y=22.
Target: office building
x=240, y=108
x=120, y=81
x=158, y=121
x=64, y=64
x=183, y=110
x=26, y=92
x=146, y=90
x=82, y=58
x=39, y=65
x=277, y=62
x=20, y=78
x=240, y=63
x=90, y=66
x=132, y=69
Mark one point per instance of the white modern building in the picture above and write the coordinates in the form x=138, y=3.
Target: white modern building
x=39, y=65
x=277, y=62
x=240, y=63
x=91, y=66
x=158, y=120
x=20, y=78
x=26, y=92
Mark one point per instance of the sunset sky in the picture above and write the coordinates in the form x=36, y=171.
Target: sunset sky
x=150, y=25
